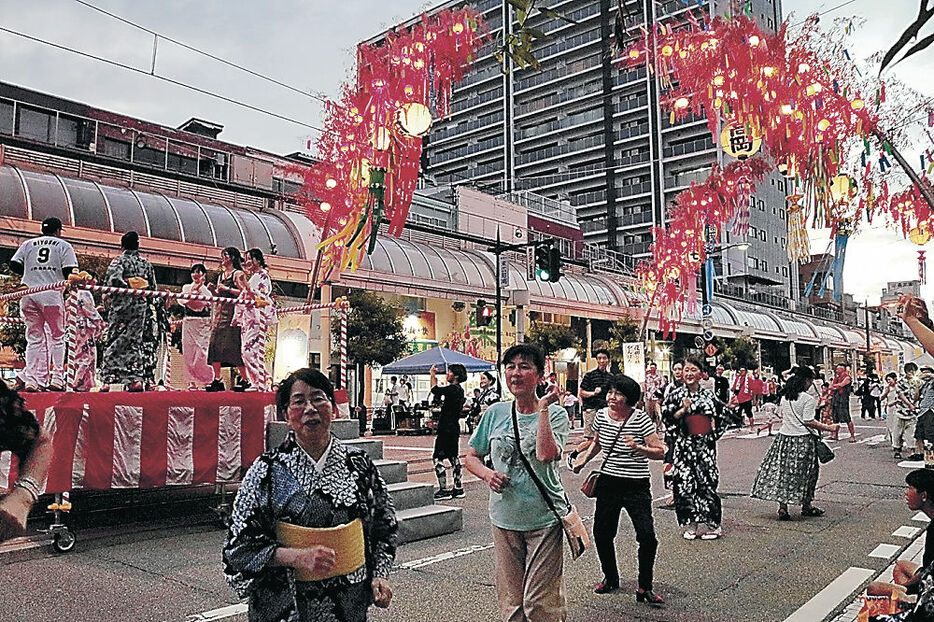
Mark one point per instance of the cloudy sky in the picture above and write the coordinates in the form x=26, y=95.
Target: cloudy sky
x=309, y=44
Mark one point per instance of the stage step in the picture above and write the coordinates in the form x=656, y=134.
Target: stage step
x=393, y=471
x=372, y=447
x=429, y=522
x=408, y=495
x=345, y=429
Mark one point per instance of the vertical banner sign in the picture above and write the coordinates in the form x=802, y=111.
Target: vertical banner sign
x=634, y=361
x=504, y=272
x=529, y=263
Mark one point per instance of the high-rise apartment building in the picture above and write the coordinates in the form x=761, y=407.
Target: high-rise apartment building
x=585, y=131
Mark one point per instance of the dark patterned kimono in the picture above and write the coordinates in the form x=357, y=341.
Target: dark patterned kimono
x=694, y=458
x=923, y=609
x=135, y=324
x=283, y=485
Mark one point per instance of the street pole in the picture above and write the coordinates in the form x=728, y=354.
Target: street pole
x=868, y=341
x=499, y=305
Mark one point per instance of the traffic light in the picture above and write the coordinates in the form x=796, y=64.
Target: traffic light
x=484, y=313
x=554, y=264
x=543, y=262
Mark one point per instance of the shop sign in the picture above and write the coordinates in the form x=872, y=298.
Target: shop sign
x=634, y=360
x=419, y=326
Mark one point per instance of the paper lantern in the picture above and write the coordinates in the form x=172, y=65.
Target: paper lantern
x=682, y=103
x=414, y=119
x=325, y=206
x=739, y=142
x=382, y=139
x=921, y=234
x=842, y=188
x=330, y=183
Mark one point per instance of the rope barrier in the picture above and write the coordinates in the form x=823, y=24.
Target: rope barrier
x=33, y=290
x=11, y=320
x=163, y=293
x=71, y=312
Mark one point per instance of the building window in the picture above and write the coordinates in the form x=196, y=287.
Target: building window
x=784, y=270
x=764, y=265
x=35, y=124
x=762, y=235
x=781, y=213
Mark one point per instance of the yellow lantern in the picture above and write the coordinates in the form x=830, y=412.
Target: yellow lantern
x=414, y=118
x=325, y=206
x=382, y=139
x=857, y=104
x=330, y=182
x=682, y=103
x=921, y=234
x=842, y=188
x=739, y=142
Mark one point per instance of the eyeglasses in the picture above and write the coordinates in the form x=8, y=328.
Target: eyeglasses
x=318, y=400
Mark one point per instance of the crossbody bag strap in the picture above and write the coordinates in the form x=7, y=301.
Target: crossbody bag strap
x=528, y=467
x=618, y=433
x=804, y=425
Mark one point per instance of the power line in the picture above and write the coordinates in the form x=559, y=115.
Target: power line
x=168, y=80
x=202, y=52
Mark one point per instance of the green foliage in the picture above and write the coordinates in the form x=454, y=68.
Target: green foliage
x=552, y=337
x=518, y=45
x=743, y=352
x=374, y=330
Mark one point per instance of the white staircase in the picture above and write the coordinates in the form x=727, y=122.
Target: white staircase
x=418, y=516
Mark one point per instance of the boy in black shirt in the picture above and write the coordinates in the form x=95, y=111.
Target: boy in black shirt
x=447, y=443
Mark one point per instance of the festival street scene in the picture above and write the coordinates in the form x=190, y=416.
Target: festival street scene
x=484, y=310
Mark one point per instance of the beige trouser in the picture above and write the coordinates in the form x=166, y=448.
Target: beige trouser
x=589, y=415
x=529, y=575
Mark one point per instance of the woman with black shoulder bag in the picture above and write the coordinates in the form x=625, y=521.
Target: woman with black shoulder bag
x=789, y=470
x=629, y=439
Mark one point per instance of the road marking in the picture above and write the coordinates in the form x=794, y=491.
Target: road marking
x=873, y=440
x=921, y=517
x=885, y=551
x=218, y=614
x=911, y=464
x=441, y=557
x=906, y=531
x=829, y=598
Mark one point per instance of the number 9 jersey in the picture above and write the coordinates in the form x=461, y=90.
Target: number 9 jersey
x=43, y=260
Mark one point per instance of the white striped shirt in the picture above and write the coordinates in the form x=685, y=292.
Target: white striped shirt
x=623, y=461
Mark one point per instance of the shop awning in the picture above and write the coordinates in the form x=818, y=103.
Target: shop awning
x=832, y=336
x=33, y=195
x=855, y=338
x=799, y=330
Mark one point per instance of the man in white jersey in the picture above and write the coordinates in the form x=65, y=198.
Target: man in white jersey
x=41, y=261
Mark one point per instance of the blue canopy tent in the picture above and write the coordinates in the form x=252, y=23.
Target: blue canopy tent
x=421, y=362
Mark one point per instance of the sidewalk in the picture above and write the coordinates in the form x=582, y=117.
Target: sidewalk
x=850, y=585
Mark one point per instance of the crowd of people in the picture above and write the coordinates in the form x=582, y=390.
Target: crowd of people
x=132, y=328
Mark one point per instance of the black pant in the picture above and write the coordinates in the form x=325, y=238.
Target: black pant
x=614, y=494
x=868, y=406
x=746, y=407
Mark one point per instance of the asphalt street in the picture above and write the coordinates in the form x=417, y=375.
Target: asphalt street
x=155, y=566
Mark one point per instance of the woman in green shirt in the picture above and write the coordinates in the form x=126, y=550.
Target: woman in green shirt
x=527, y=537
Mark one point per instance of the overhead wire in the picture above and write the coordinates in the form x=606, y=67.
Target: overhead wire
x=196, y=50
x=166, y=79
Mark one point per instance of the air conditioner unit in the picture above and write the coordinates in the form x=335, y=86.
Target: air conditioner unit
x=220, y=159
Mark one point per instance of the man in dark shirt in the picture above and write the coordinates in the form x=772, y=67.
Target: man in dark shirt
x=447, y=444
x=592, y=390
x=920, y=496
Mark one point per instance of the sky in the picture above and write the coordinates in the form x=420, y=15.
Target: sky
x=310, y=44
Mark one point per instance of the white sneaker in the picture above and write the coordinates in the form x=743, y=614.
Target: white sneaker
x=690, y=533
x=712, y=534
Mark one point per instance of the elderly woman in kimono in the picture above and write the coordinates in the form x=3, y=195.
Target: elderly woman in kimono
x=255, y=319
x=691, y=418
x=135, y=329
x=312, y=480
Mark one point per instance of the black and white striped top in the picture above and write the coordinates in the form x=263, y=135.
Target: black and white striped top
x=621, y=461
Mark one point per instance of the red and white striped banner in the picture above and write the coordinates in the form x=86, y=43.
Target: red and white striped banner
x=148, y=440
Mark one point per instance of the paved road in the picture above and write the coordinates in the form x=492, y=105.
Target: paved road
x=762, y=570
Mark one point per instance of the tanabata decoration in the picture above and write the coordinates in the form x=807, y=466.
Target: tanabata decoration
x=368, y=155
x=811, y=119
